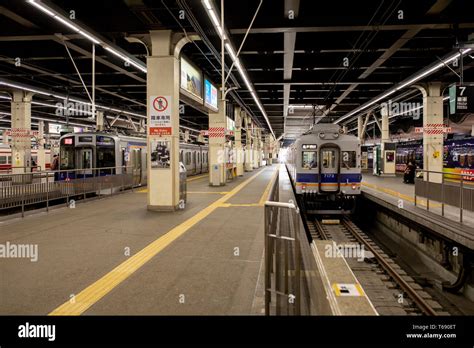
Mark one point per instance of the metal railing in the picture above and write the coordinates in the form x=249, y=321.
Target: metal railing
x=21, y=190
x=290, y=266
x=452, y=189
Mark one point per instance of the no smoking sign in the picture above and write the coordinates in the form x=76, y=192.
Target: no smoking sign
x=160, y=115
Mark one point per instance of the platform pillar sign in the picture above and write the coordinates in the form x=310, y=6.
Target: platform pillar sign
x=433, y=140
x=163, y=123
x=248, y=165
x=160, y=115
x=21, y=131
x=238, y=141
x=217, y=157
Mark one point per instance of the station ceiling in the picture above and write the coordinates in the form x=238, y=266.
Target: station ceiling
x=294, y=54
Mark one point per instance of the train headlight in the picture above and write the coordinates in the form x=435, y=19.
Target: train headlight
x=336, y=135
x=322, y=135
x=354, y=186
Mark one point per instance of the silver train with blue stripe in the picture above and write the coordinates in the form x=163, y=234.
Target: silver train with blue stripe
x=324, y=166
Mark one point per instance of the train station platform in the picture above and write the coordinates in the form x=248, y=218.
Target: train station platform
x=393, y=194
x=114, y=257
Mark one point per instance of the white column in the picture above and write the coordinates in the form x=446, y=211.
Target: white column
x=238, y=141
x=248, y=145
x=21, y=128
x=360, y=125
x=433, y=143
x=41, y=153
x=217, y=158
x=163, y=81
x=99, y=119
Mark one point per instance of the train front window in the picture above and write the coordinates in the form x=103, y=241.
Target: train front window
x=309, y=160
x=328, y=158
x=66, y=157
x=348, y=159
x=105, y=157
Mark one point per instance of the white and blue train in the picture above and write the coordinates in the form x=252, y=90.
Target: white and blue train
x=324, y=166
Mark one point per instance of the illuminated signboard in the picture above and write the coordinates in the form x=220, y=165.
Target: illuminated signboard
x=309, y=146
x=210, y=94
x=54, y=128
x=68, y=141
x=191, y=79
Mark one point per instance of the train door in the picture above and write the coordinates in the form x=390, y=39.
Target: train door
x=329, y=169
x=137, y=166
x=198, y=164
x=85, y=162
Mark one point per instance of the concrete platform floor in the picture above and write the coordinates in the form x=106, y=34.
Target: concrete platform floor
x=112, y=256
x=394, y=187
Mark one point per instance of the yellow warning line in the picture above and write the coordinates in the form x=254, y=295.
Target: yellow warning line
x=94, y=292
x=264, y=197
x=209, y=192
x=197, y=177
x=145, y=190
x=400, y=195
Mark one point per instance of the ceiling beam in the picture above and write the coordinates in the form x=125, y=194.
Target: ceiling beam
x=388, y=27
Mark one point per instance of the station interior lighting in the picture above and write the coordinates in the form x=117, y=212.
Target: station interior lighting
x=212, y=13
x=84, y=33
x=38, y=91
x=397, y=114
x=408, y=82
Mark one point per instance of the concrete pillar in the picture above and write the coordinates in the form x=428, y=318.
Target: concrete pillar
x=99, y=120
x=238, y=141
x=217, y=158
x=266, y=149
x=41, y=153
x=360, y=125
x=387, y=148
x=248, y=145
x=186, y=136
x=163, y=139
x=433, y=141
x=385, y=125
x=254, y=147
x=260, y=147
x=21, y=129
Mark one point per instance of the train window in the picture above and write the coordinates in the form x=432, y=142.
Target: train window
x=349, y=159
x=105, y=157
x=3, y=159
x=309, y=160
x=328, y=158
x=66, y=157
x=188, y=158
x=181, y=156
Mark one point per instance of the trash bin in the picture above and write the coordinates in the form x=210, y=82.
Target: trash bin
x=182, y=183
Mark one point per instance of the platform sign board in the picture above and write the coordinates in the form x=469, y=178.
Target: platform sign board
x=160, y=116
x=210, y=94
x=461, y=99
x=191, y=78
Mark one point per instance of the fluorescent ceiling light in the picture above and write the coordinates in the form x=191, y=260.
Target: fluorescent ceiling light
x=404, y=84
x=74, y=100
x=66, y=22
x=214, y=19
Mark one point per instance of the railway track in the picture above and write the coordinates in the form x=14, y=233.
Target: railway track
x=344, y=232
